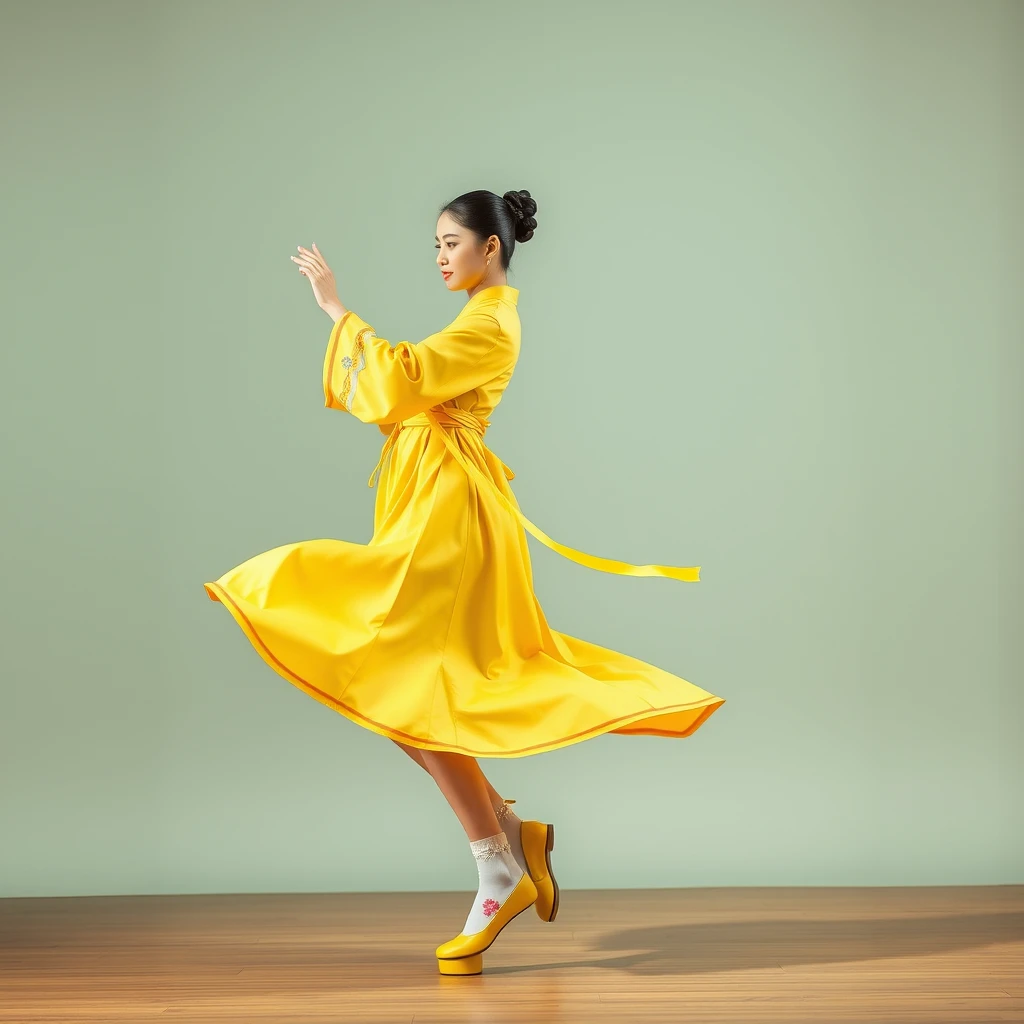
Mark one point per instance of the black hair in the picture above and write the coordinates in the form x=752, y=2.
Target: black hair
x=510, y=217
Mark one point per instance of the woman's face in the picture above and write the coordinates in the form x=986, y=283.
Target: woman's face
x=460, y=257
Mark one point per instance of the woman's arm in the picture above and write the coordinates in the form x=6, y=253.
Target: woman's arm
x=379, y=383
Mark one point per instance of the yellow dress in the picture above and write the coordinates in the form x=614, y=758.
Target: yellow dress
x=431, y=633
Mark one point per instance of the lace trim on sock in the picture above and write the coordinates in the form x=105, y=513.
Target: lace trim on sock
x=491, y=846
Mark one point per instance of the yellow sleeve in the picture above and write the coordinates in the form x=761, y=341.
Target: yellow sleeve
x=377, y=383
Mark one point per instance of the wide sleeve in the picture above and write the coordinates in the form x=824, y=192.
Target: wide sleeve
x=379, y=383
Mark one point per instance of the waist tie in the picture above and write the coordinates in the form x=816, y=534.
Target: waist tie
x=455, y=417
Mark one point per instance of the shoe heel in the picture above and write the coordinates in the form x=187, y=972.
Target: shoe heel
x=548, y=847
x=473, y=964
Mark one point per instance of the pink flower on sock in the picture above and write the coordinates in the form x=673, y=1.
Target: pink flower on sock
x=490, y=906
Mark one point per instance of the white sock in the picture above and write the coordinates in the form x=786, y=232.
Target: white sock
x=509, y=821
x=499, y=874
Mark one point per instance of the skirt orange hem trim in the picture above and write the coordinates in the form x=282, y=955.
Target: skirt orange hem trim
x=217, y=593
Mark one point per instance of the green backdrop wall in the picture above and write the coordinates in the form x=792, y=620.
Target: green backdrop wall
x=772, y=325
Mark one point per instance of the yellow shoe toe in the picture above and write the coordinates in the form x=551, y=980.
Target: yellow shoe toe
x=463, y=965
x=468, y=948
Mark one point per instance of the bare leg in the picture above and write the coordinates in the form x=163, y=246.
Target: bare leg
x=413, y=752
x=416, y=753
x=460, y=779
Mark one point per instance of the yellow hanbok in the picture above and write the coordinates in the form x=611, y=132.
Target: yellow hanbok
x=431, y=633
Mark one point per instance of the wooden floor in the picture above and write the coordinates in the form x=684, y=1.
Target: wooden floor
x=669, y=955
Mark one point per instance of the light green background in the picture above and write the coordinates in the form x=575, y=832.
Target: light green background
x=772, y=325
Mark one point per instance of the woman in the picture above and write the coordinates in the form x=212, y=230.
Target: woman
x=431, y=633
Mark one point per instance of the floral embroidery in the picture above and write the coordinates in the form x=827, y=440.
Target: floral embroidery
x=490, y=906
x=353, y=364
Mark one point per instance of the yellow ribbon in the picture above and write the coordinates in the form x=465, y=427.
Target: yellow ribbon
x=386, y=451
x=456, y=417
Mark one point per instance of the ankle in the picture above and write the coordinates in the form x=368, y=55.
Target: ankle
x=504, y=813
x=499, y=873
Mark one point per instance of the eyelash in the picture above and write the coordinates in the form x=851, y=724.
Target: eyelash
x=438, y=246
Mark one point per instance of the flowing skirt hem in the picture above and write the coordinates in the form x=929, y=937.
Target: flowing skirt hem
x=632, y=725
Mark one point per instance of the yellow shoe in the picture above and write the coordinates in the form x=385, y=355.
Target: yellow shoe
x=464, y=953
x=538, y=841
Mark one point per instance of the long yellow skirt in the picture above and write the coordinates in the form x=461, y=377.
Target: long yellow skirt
x=431, y=633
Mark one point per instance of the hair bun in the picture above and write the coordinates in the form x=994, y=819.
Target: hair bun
x=523, y=207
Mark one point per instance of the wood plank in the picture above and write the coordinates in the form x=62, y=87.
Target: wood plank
x=791, y=955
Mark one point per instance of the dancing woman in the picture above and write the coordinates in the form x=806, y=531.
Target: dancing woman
x=431, y=633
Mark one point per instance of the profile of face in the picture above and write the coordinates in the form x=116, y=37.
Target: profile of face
x=462, y=258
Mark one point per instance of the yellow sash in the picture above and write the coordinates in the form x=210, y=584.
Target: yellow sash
x=456, y=417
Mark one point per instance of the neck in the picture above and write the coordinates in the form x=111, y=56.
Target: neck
x=470, y=292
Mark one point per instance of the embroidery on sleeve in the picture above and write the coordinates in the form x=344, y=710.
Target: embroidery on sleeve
x=353, y=365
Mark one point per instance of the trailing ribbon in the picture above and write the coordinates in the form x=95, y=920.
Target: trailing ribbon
x=460, y=418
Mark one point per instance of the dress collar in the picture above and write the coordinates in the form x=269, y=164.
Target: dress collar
x=501, y=291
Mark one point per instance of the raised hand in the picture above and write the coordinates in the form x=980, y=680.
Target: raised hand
x=313, y=266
